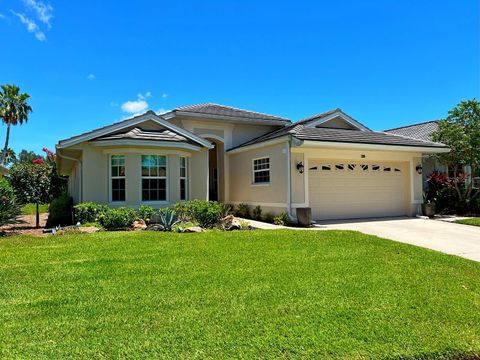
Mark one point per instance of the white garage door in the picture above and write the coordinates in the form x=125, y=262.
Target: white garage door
x=349, y=190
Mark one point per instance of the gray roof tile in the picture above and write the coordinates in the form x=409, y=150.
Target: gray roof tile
x=222, y=110
x=302, y=132
x=422, y=131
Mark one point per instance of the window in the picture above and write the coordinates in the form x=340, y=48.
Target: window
x=154, y=178
x=364, y=167
x=339, y=167
x=261, y=171
x=326, y=167
x=183, y=178
x=117, y=177
x=352, y=167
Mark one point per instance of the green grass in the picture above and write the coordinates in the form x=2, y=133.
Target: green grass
x=30, y=209
x=471, y=221
x=251, y=294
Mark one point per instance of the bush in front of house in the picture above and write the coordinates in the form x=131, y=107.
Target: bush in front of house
x=9, y=208
x=88, y=212
x=147, y=214
x=206, y=213
x=269, y=218
x=60, y=211
x=117, y=219
x=257, y=213
x=281, y=219
x=167, y=218
x=242, y=211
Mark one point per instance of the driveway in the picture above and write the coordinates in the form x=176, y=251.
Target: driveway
x=449, y=238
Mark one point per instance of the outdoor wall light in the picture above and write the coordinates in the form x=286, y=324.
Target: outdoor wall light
x=419, y=169
x=300, y=167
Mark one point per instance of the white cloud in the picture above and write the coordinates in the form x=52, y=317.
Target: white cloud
x=2, y=16
x=164, y=95
x=162, y=111
x=145, y=96
x=91, y=77
x=44, y=11
x=135, y=107
x=31, y=26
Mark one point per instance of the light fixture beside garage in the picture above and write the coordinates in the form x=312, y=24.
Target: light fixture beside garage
x=300, y=167
x=419, y=169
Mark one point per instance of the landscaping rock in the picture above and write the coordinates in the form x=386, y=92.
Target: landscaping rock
x=155, y=227
x=193, y=229
x=139, y=225
x=229, y=223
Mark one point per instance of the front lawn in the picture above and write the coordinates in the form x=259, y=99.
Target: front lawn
x=471, y=221
x=250, y=294
x=30, y=209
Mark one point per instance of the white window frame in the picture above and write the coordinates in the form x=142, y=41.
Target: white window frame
x=184, y=178
x=142, y=177
x=111, y=178
x=261, y=170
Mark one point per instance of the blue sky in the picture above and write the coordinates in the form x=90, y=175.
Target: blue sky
x=90, y=63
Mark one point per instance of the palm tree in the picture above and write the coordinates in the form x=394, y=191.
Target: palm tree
x=14, y=110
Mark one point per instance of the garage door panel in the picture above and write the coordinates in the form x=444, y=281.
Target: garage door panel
x=357, y=193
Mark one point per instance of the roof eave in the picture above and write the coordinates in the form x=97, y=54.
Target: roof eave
x=373, y=146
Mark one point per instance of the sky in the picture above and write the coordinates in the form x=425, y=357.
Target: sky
x=88, y=64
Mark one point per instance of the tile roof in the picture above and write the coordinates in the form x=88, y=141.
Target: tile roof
x=222, y=110
x=302, y=132
x=422, y=131
x=139, y=134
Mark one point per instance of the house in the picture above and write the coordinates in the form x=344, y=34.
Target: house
x=329, y=162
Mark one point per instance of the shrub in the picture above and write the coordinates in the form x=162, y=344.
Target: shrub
x=146, y=213
x=206, y=213
x=9, y=209
x=227, y=209
x=244, y=225
x=167, y=218
x=88, y=212
x=281, y=219
x=60, y=211
x=243, y=211
x=117, y=219
x=269, y=218
x=257, y=213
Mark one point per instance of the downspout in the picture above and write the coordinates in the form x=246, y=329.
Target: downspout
x=289, y=179
x=80, y=170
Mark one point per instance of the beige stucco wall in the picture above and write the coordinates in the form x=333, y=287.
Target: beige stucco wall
x=96, y=181
x=413, y=185
x=273, y=196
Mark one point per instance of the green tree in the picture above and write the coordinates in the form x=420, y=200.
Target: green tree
x=11, y=157
x=26, y=156
x=9, y=208
x=461, y=132
x=14, y=110
x=32, y=184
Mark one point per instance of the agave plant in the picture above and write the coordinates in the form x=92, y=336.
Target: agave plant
x=167, y=218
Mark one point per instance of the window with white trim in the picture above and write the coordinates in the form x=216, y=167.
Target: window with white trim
x=154, y=178
x=261, y=170
x=117, y=177
x=183, y=178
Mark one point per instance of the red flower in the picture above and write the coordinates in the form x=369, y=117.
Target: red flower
x=38, y=161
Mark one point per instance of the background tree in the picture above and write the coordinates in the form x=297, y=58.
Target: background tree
x=14, y=110
x=26, y=156
x=32, y=184
x=11, y=157
x=461, y=132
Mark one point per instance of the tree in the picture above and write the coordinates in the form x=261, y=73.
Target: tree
x=461, y=132
x=14, y=110
x=32, y=184
x=10, y=157
x=26, y=156
x=9, y=208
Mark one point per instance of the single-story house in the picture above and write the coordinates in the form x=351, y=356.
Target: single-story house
x=329, y=162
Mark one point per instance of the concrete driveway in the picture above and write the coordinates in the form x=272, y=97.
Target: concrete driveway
x=449, y=238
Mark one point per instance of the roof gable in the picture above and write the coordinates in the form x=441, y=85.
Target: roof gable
x=129, y=123
x=335, y=118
